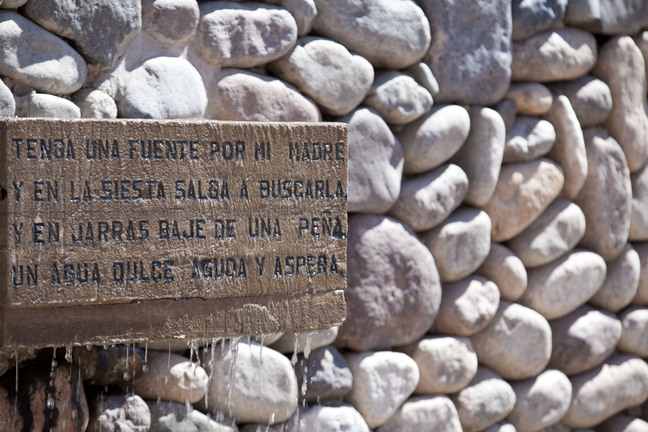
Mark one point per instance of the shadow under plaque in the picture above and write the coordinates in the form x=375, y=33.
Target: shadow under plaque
x=128, y=230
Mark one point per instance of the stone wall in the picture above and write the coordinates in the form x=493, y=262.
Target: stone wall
x=498, y=190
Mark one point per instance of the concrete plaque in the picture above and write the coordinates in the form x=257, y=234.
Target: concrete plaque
x=125, y=230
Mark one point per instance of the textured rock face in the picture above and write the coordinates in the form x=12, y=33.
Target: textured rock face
x=620, y=382
x=117, y=21
x=590, y=98
x=330, y=418
x=119, y=414
x=541, y=401
x=554, y=55
x=446, y=363
x=557, y=231
x=467, y=306
x=378, y=401
x=583, y=339
x=334, y=78
x=164, y=87
x=634, y=334
x=529, y=139
x=639, y=215
x=170, y=21
x=579, y=274
x=239, y=95
x=398, y=98
x=504, y=268
x=569, y=148
x=48, y=63
x=517, y=342
x=486, y=400
x=484, y=59
x=420, y=412
x=607, y=16
x=481, y=155
x=531, y=17
x=172, y=377
x=394, y=294
x=326, y=373
x=460, y=244
x=241, y=35
x=261, y=388
x=390, y=34
x=426, y=200
x=522, y=193
x=530, y=98
x=621, y=281
x=375, y=163
x=606, y=194
x=434, y=138
x=621, y=66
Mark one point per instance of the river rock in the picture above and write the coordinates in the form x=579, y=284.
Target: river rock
x=393, y=294
x=260, y=387
x=634, y=335
x=109, y=366
x=390, y=34
x=426, y=200
x=522, y=193
x=423, y=75
x=326, y=375
x=530, y=99
x=559, y=287
x=328, y=418
x=326, y=71
x=119, y=413
x=540, y=401
x=175, y=417
x=531, y=17
x=99, y=30
x=517, y=342
x=623, y=423
x=446, y=363
x=569, y=148
x=467, y=306
x=7, y=102
x=171, y=377
x=46, y=62
x=421, y=412
x=434, y=138
x=590, y=98
x=292, y=342
x=621, y=281
x=606, y=196
x=557, y=231
x=46, y=105
x=504, y=268
x=49, y=396
x=375, y=163
x=171, y=22
x=529, y=139
x=554, y=55
x=95, y=103
x=607, y=16
x=239, y=95
x=621, y=65
x=164, y=87
x=460, y=243
x=378, y=400
x=639, y=214
x=641, y=296
x=242, y=35
x=583, y=339
x=398, y=98
x=619, y=383
x=481, y=155
x=487, y=400
x=484, y=59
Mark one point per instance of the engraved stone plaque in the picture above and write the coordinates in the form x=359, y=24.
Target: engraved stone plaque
x=125, y=230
